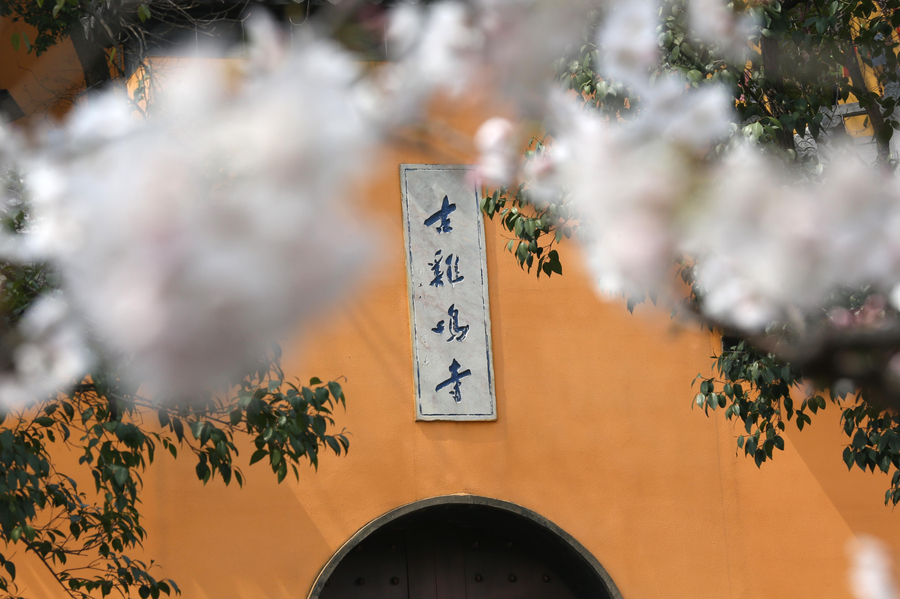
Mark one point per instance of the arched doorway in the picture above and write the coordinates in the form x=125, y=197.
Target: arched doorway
x=463, y=547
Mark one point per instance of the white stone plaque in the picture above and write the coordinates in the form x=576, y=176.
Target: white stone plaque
x=448, y=293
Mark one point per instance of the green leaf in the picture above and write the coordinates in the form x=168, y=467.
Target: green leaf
x=120, y=474
x=894, y=442
x=334, y=445
x=336, y=391
x=14, y=39
x=849, y=457
x=522, y=251
x=750, y=445
x=555, y=264
x=258, y=455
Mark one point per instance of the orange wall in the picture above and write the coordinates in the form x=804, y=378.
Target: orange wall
x=43, y=85
x=594, y=432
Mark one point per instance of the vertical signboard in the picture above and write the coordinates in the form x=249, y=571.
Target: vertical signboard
x=448, y=293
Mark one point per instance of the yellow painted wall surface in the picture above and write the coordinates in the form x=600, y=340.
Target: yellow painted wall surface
x=594, y=432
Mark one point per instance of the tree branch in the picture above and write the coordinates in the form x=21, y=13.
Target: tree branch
x=67, y=590
x=869, y=101
x=92, y=58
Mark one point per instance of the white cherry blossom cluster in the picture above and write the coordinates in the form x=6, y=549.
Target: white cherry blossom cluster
x=768, y=246
x=450, y=47
x=187, y=241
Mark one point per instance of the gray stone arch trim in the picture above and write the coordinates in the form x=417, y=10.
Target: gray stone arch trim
x=460, y=499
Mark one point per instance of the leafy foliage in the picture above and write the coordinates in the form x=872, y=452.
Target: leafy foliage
x=51, y=19
x=538, y=224
x=754, y=389
x=50, y=515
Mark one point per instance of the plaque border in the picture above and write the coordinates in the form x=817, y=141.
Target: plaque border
x=485, y=296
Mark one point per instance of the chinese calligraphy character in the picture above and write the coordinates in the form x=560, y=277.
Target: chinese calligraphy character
x=453, y=275
x=442, y=215
x=456, y=332
x=455, y=379
x=453, y=269
x=438, y=280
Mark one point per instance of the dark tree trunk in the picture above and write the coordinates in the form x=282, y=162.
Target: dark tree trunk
x=774, y=86
x=868, y=101
x=93, y=60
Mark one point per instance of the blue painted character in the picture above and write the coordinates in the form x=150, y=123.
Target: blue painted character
x=455, y=378
x=456, y=332
x=438, y=280
x=453, y=269
x=452, y=273
x=442, y=215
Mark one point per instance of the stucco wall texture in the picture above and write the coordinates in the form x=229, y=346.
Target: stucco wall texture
x=594, y=432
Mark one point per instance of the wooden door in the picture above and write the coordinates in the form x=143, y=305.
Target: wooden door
x=442, y=562
x=375, y=569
